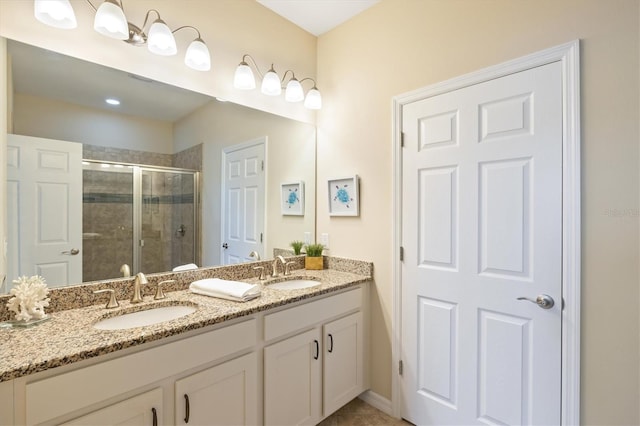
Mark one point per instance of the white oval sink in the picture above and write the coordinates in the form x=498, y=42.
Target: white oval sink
x=143, y=318
x=294, y=284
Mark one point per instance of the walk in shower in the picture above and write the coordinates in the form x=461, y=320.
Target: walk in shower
x=142, y=216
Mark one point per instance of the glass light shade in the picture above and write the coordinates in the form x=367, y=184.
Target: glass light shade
x=197, y=56
x=313, y=99
x=271, y=84
x=110, y=21
x=294, y=92
x=160, y=40
x=243, y=78
x=55, y=13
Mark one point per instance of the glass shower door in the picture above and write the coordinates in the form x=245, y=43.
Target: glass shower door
x=168, y=219
x=107, y=215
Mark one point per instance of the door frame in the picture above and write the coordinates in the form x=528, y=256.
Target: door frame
x=261, y=141
x=569, y=55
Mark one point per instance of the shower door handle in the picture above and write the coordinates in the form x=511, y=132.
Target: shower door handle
x=71, y=252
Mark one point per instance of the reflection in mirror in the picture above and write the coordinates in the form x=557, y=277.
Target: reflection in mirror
x=164, y=137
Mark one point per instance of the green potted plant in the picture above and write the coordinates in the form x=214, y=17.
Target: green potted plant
x=314, y=259
x=297, y=247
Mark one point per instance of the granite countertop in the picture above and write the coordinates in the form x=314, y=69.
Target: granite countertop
x=69, y=335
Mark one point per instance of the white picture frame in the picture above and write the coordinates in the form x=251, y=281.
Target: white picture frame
x=292, y=198
x=344, y=197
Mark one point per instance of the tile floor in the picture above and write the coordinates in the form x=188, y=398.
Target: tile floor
x=357, y=413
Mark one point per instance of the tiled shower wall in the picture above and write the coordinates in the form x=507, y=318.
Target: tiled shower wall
x=166, y=205
x=190, y=158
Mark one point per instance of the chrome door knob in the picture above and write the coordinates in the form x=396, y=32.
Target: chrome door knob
x=71, y=252
x=544, y=301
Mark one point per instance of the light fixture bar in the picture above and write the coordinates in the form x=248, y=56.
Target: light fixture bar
x=110, y=20
x=272, y=85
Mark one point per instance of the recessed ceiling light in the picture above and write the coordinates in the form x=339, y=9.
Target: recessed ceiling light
x=112, y=101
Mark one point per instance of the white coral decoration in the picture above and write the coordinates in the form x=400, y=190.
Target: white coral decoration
x=29, y=298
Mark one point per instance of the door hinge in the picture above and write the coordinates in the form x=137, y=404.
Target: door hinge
x=402, y=139
x=400, y=367
x=262, y=165
x=401, y=254
x=261, y=237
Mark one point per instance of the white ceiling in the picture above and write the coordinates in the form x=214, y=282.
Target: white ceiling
x=318, y=16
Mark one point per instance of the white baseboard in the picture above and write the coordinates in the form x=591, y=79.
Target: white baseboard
x=375, y=400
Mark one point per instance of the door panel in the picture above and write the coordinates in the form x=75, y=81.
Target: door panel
x=482, y=215
x=244, y=202
x=45, y=179
x=226, y=394
x=292, y=380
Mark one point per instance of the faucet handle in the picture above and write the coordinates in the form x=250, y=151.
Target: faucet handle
x=261, y=269
x=286, y=267
x=113, y=303
x=159, y=293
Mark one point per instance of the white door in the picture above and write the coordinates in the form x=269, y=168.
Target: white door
x=143, y=409
x=224, y=395
x=293, y=380
x=243, y=202
x=482, y=227
x=343, y=362
x=44, y=199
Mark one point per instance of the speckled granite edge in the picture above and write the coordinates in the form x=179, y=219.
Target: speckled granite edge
x=79, y=296
x=71, y=337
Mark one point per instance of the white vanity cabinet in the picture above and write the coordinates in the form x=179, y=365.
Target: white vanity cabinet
x=343, y=376
x=293, y=380
x=143, y=409
x=311, y=374
x=295, y=364
x=226, y=394
x=105, y=390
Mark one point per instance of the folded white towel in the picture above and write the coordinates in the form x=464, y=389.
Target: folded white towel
x=186, y=267
x=231, y=290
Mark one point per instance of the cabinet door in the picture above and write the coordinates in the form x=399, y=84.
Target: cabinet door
x=343, y=361
x=226, y=394
x=143, y=409
x=292, y=380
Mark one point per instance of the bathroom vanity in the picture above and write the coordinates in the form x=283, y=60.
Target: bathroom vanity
x=288, y=357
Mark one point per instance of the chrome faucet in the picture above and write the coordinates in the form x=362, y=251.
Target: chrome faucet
x=275, y=265
x=255, y=254
x=139, y=280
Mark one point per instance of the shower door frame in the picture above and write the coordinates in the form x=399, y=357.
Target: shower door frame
x=136, y=240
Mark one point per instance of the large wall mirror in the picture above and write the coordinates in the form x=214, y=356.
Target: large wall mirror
x=166, y=178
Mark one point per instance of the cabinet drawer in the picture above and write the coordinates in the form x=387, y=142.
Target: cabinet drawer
x=102, y=381
x=309, y=314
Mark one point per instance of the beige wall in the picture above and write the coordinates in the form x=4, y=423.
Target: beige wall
x=290, y=157
x=401, y=45
x=229, y=27
x=46, y=118
x=4, y=119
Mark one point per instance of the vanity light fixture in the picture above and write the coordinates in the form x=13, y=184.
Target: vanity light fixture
x=111, y=21
x=57, y=13
x=272, y=85
x=112, y=101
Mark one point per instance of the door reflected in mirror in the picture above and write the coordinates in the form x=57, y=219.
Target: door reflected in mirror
x=160, y=128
